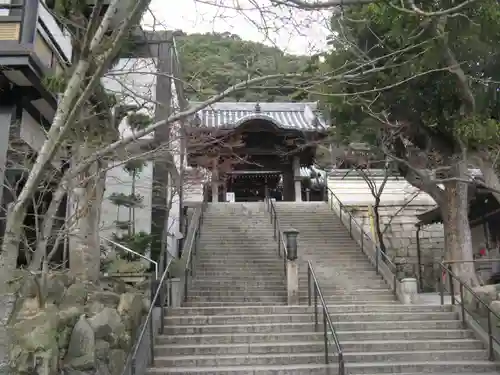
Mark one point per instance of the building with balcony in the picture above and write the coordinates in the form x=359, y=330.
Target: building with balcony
x=35, y=49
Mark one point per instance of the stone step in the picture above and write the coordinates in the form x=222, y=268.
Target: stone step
x=301, y=358
x=271, y=264
x=307, y=327
x=317, y=346
x=248, y=289
x=236, y=258
x=451, y=367
x=276, y=276
x=344, y=336
x=304, y=301
x=244, y=282
x=309, y=317
x=271, y=298
x=256, y=281
x=281, y=292
x=357, y=299
x=255, y=310
x=256, y=268
x=232, y=303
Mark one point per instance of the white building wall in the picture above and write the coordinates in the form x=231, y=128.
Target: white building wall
x=119, y=181
x=355, y=191
x=134, y=82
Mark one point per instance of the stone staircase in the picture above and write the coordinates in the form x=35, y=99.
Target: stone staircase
x=236, y=321
x=345, y=274
x=238, y=263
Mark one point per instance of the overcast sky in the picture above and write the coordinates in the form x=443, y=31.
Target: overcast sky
x=293, y=31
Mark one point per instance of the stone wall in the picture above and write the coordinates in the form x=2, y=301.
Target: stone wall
x=401, y=238
x=81, y=329
x=6, y=303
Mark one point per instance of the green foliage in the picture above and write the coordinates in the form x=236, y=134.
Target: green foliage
x=213, y=62
x=126, y=200
x=138, y=120
x=411, y=84
x=138, y=242
x=134, y=167
x=65, y=8
x=55, y=83
x=478, y=132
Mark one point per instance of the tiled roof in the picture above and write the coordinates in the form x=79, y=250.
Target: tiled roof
x=293, y=116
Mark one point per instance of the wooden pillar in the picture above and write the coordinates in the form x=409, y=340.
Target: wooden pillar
x=297, y=179
x=224, y=190
x=288, y=195
x=215, y=182
x=266, y=188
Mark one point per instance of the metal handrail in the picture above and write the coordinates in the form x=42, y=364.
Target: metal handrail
x=277, y=232
x=312, y=283
x=135, y=253
x=148, y=322
x=446, y=269
x=365, y=237
x=191, y=248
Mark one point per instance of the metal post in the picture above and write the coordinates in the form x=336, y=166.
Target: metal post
x=279, y=245
x=452, y=287
x=441, y=284
x=491, y=354
x=350, y=226
x=419, y=261
x=151, y=342
x=462, y=304
x=309, y=300
x=186, y=275
x=195, y=242
x=162, y=311
x=153, y=288
x=133, y=367
x=284, y=267
x=377, y=256
x=325, y=336
x=315, y=308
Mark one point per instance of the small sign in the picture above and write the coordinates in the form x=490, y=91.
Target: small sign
x=230, y=197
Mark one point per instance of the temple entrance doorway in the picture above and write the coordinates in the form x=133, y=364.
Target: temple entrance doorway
x=254, y=186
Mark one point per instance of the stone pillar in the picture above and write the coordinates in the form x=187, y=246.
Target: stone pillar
x=215, y=182
x=292, y=266
x=408, y=291
x=297, y=179
x=292, y=287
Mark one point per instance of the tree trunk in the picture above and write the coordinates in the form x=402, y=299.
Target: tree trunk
x=86, y=199
x=131, y=212
x=10, y=245
x=458, y=239
x=48, y=223
x=378, y=230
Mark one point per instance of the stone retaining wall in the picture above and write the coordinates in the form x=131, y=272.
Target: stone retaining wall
x=401, y=238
